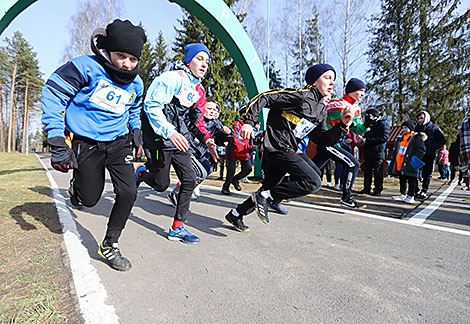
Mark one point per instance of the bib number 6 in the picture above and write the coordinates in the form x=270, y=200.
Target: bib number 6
x=112, y=95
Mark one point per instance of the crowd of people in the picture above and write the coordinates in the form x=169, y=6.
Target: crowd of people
x=99, y=99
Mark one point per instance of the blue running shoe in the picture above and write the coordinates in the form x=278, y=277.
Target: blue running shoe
x=277, y=208
x=140, y=168
x=182, y=234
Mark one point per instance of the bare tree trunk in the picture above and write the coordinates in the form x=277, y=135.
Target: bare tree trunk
x=14, y=146
x=346, y=45
x=11, y=125
x=25, y=119
x=2, y=139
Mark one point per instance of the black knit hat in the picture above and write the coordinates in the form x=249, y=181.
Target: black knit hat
x=315, y=71
x=410, y=123
x=354, y=85
x=123, y=36
x=373, y=112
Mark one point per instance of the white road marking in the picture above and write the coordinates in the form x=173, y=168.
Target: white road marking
x=362, y=214
x=90, y=291
x=421, y=217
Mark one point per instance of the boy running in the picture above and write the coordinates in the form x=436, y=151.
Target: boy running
x=293, y=114
x=101, y=95
x=174, y=110
x=355, y=91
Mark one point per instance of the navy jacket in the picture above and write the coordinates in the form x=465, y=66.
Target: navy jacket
x=436, y=138
x=376, y=140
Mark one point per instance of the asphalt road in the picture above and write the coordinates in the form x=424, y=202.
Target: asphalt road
x=312, y=266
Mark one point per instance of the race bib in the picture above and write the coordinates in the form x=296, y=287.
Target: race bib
x=188, y=96
x=111, y=98
x=402, y=149
x=303, y=127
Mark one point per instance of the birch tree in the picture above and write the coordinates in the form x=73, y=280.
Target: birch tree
x=90, y=14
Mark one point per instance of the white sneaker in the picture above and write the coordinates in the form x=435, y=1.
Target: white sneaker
x=401, y=197
x=409, y=200
x=245, y=180
x=336, y=187
x=197, y=191
x=328, y=184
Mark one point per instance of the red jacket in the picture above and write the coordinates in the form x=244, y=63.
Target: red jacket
x=238, y=148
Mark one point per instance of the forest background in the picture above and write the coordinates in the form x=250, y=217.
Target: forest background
x=414, y=55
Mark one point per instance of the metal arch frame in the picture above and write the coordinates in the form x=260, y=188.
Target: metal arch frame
x=220, y=19
x=215, y=14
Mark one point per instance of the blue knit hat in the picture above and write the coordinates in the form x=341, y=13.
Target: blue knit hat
x=191, y=50
x=354, y=85
x=315, y=71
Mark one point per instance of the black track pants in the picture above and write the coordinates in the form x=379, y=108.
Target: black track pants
x=350, y=164
x=93, y=158
x=304, y=177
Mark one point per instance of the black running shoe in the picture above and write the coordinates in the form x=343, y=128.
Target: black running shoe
x=237, y=222
x=236, y=185
x=352, y=203
x=111, y=253
x=173, y=198
x=73, y=197
x=226, y=191
x=261, y=206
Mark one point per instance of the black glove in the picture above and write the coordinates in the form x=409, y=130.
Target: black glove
x=62, y=157
x=253, y=148
x=137, y=141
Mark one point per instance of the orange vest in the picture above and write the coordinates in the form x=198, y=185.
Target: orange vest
x=402, y=150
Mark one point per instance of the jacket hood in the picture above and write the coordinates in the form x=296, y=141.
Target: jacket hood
x=423, y=136
x=96, y=46
x=427, y=116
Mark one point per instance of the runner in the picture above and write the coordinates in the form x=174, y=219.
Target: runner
x=101, y=95
x=174, y=110
x=293, y=114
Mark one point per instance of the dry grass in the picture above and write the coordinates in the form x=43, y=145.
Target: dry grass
x=35, y=284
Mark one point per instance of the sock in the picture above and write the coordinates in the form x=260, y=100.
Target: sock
x=176, y=224
x=235, y=213
x=178, y=185
x=266, y=194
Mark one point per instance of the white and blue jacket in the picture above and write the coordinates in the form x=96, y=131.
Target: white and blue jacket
x=95, y=106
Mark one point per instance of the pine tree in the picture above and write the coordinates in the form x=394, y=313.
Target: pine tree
x=222, y=81
x=390, y=58
x=25, y=88
x=312, y=48
x=441, y=80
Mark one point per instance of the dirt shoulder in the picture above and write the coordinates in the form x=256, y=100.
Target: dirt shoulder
x=36, y=284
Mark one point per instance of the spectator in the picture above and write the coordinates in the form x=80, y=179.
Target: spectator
x=406, y=160
x=442, y=161
x=435, y=140
x=238, y=149
x=454, y=161
x=464, y=134
x=374, y=151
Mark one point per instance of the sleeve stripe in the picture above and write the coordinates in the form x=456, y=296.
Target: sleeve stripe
x=255, y=99
x=55, y=86
x=69, y=73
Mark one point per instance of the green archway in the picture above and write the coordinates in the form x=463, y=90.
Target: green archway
x=220, y=19
x=215, y=14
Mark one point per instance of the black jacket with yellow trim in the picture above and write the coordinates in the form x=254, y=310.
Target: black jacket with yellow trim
x=280, y=125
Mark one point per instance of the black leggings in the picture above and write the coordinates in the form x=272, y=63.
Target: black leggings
x=159, y=176
x=350, y=164
x=93, y=158
x=304, y=178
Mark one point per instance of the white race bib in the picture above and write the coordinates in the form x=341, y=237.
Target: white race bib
x=188, y=96
x=111, y=98
x=303, y=128
x=402, y=149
